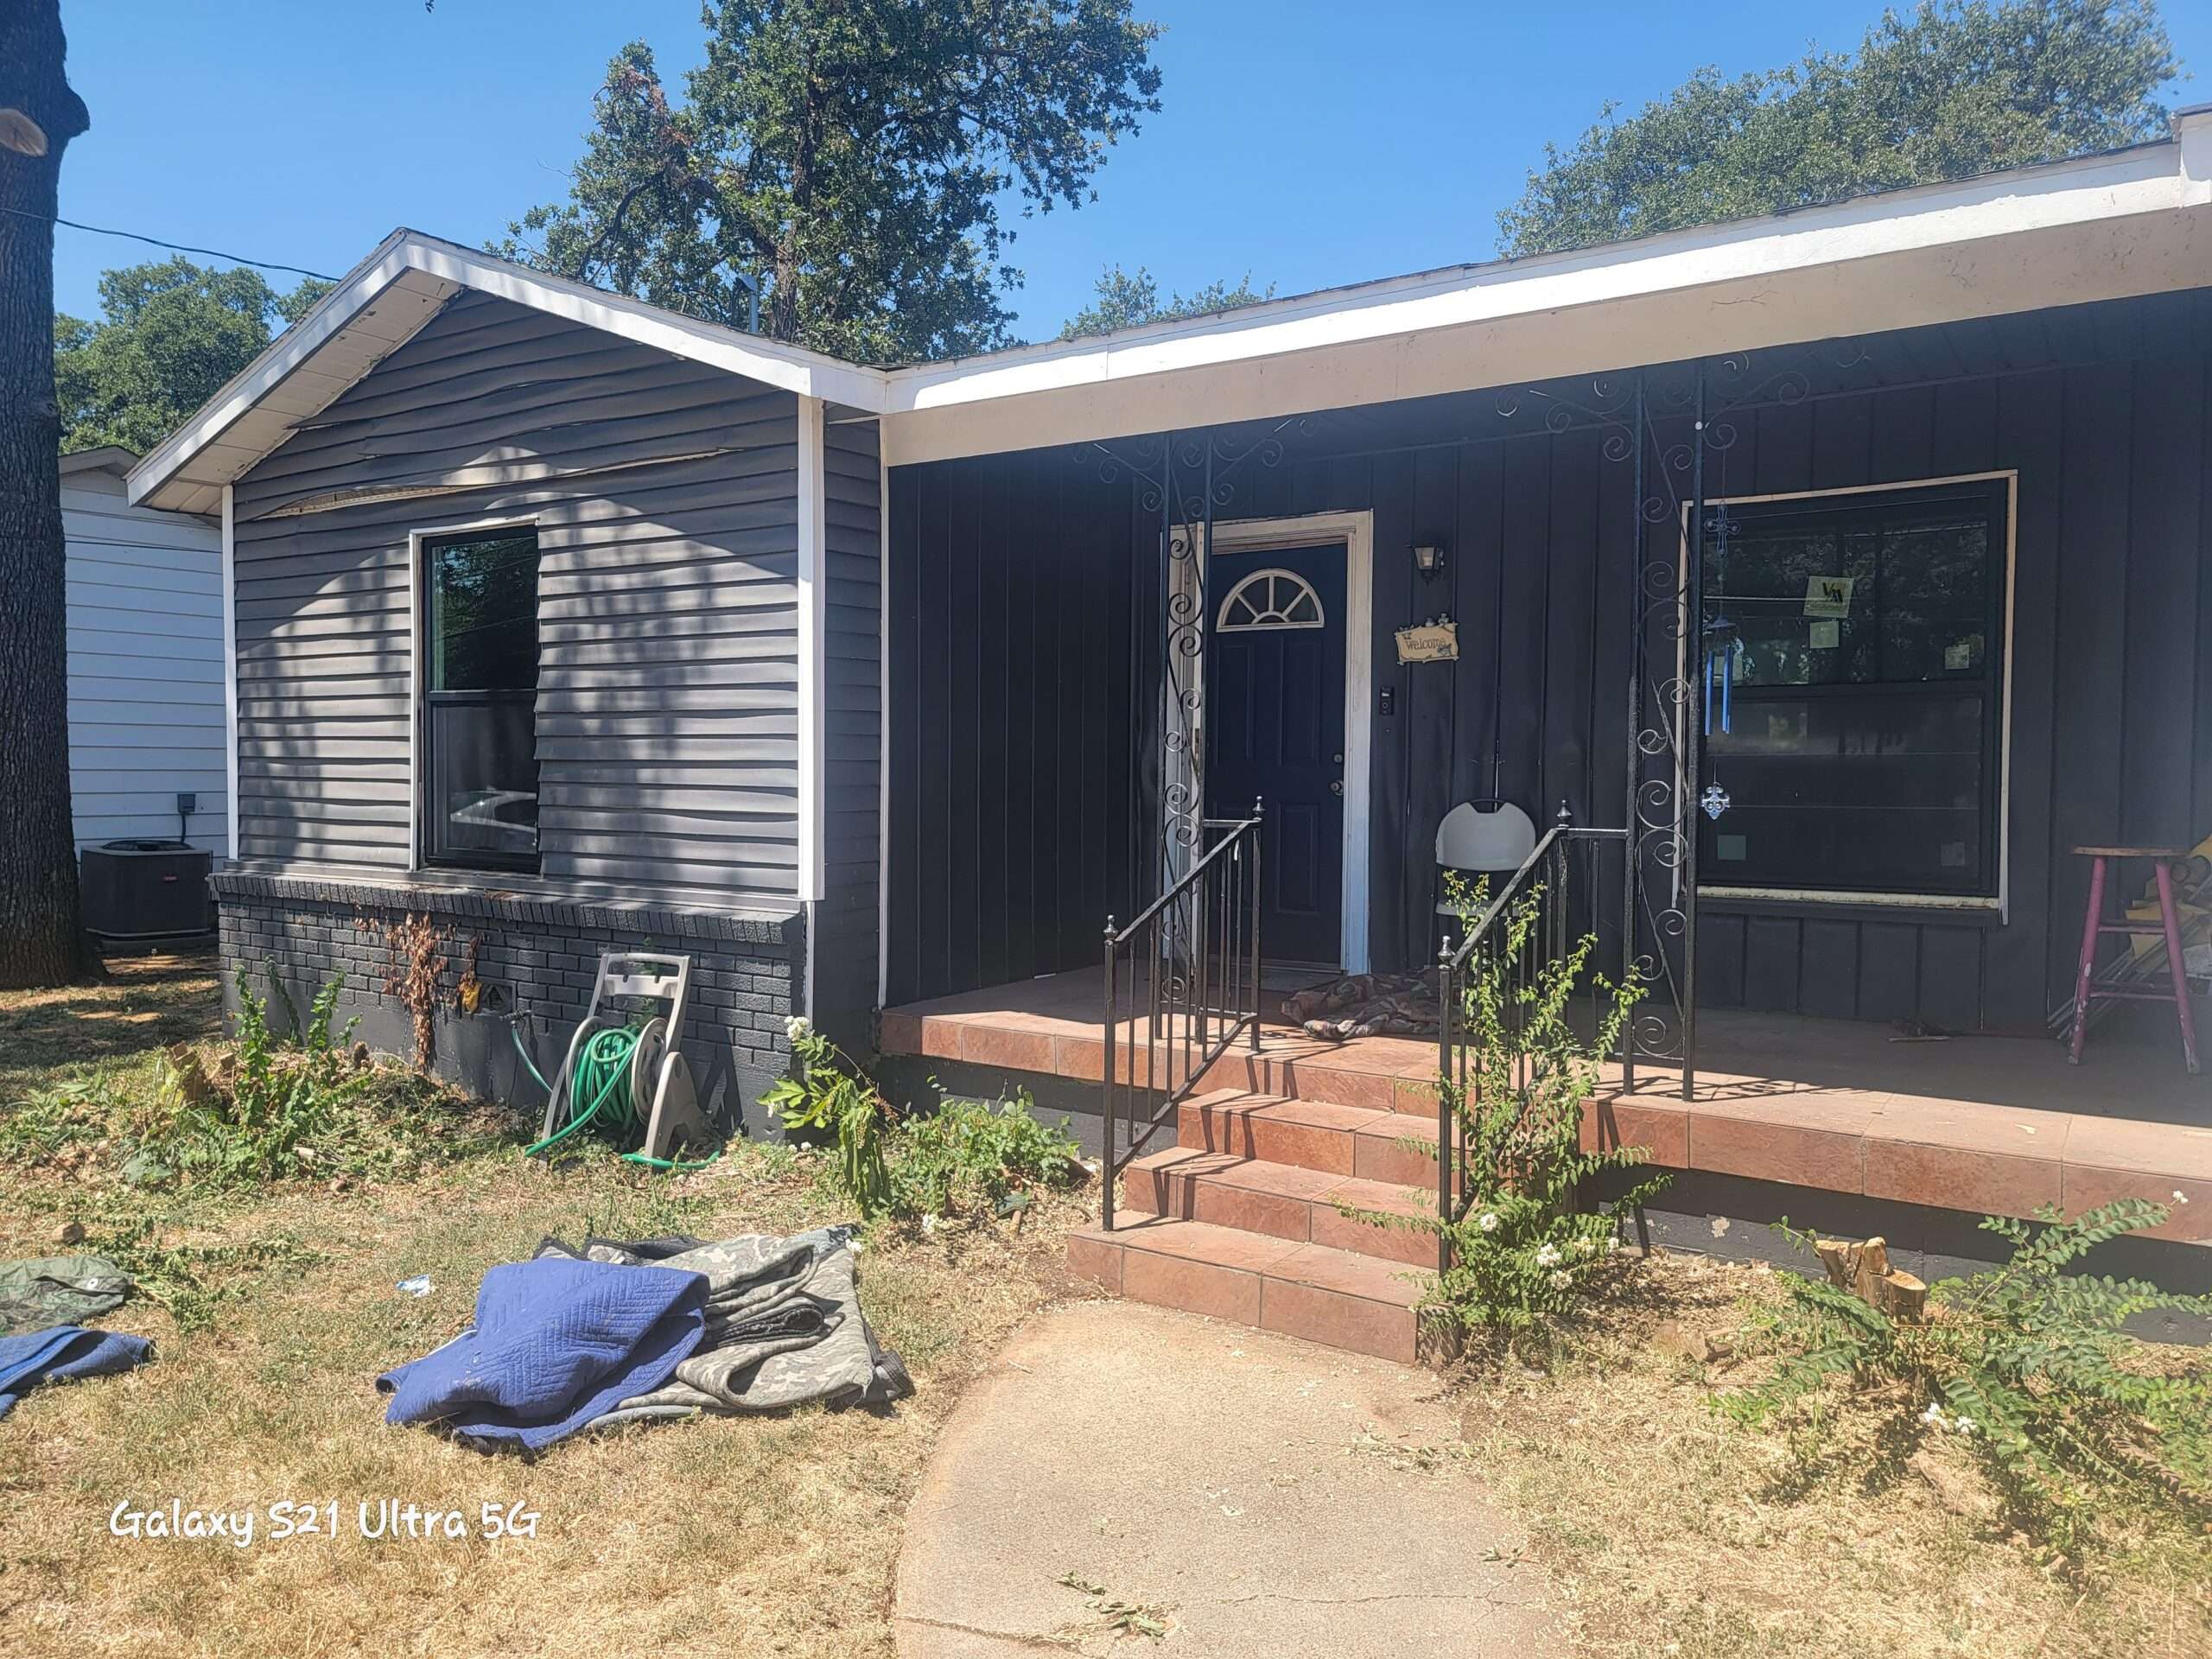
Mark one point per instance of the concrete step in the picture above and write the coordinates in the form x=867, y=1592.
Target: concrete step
x=1280, y=1200
x=1308, y=1290
x=1349, y=1140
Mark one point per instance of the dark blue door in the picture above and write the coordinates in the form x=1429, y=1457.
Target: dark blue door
x=1274, y=726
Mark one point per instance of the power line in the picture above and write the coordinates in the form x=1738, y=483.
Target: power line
x=174, y=247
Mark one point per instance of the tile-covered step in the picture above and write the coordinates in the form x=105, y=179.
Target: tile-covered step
x=1305, y=1206
x=1373, y=1145
x=1309, y=1290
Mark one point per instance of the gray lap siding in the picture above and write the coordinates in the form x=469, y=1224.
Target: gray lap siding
x=665, y=503
x=665, y=497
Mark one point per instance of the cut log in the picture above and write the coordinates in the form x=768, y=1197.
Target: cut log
x=1865, y=1271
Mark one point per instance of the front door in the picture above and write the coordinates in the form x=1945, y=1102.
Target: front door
x=1275, y=732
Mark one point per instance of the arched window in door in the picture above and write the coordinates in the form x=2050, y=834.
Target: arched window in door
x=1270, y=599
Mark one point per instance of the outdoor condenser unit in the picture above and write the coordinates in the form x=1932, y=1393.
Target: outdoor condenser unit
x=144, y=889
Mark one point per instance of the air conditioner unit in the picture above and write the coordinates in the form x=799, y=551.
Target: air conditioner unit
x=145, y=889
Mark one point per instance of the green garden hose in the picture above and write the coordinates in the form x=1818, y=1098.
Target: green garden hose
x=602, y=1081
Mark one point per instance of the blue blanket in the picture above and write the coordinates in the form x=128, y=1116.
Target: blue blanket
x=556, y=1344
x=62, y=1352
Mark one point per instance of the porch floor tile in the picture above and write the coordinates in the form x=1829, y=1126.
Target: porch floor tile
x=1976, y=1123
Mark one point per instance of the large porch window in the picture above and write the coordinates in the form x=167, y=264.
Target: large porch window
x=480, y=701
x=1859, y=739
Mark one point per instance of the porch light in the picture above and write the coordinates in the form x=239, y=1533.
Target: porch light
x=1428, y=560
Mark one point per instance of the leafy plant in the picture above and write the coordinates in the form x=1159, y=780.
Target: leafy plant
x=974, y=1154
x=192, y=1281
x=277, y=1102
x=313, y=1036
x=1524, y=1250
x=2025, y=1363
x=829, y=1095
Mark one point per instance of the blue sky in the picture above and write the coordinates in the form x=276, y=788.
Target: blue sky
x=1309, y=144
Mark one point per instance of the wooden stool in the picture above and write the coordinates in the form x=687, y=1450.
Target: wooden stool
x=2089, y=988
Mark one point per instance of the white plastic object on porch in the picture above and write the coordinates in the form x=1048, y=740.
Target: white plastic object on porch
x=1476, y=841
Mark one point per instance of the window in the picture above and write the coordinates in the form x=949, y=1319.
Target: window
x=1862, y=753
x=1270, y=599
x=480, y=701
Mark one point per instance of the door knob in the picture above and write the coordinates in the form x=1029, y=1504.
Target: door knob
x=1336, y=786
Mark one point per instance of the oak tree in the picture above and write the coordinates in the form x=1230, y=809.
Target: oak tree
x=1955, y=88
x=847, y=160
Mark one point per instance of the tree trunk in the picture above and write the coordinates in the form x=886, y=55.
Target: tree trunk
x=40, y=940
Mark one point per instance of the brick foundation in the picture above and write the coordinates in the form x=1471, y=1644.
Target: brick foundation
x=536, y=956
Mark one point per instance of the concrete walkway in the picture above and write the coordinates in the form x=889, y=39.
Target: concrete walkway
x=1246, y=1493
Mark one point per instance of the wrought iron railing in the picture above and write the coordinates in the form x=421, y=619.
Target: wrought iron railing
x=1562, y=877
x=1182, y=985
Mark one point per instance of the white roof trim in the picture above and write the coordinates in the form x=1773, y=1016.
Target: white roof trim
x=104, y=458
x=2004, y=241
x=341, y=339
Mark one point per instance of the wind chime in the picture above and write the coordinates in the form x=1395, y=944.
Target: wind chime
x=1723, y=647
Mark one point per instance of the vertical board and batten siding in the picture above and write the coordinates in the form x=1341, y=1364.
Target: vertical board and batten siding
x=846, y=921
x=1013, y=750
x=664, y=498
x=145, y=628
x=1017, y=634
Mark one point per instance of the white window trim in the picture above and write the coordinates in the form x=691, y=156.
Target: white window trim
x=231, y=672
x=417, y=644
x=1273, y=619
x=813, y=682
x=1903, y=901
x=1354, y=532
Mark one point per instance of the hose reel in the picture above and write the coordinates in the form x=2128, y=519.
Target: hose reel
x=624, y=1069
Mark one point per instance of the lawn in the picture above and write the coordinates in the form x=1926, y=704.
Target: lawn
x=1659, y=1530
x=720, y=1535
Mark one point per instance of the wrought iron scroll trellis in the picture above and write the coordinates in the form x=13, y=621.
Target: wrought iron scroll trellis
x=1183, y=480
x=1673, y=427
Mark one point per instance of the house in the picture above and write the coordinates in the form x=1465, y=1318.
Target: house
x=1828, y=577
x=145, y=661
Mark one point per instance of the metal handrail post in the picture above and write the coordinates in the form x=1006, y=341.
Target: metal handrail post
x=1259, y=961
x=1106, y=1115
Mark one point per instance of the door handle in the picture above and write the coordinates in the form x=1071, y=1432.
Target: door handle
x=1336, y=786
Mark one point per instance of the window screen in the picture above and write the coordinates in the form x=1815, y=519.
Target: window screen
x=1863, y=743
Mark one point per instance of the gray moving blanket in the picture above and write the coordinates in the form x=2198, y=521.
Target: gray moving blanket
x=784, y=1327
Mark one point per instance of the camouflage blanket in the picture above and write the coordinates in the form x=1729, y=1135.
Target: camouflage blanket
x=1367, y=1005
x=59, y=1290
x=784, y=1326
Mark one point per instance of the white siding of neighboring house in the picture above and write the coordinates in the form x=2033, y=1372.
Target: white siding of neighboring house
x=145, y=660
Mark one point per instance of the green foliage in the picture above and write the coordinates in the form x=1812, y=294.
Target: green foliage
x=170, y=333
x=193, y=1281
x=849, y=157
x=1955, y=88
x=54, y=1120
x=1124, y=300
x=279, y=1101
x=831, y=1096
x=971, y=1156
x=1525, y=1251
x=968, y=1155
x=2026, y=1364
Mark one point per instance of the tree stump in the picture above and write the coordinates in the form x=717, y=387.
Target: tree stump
x=1865, y=1271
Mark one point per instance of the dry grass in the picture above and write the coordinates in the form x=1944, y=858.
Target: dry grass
x=145, y=1003
x=1662, y=1532
x=715, y=1536
x=1667, y=1533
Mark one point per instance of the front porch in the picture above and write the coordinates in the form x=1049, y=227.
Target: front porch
x=1974, y=1124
